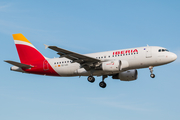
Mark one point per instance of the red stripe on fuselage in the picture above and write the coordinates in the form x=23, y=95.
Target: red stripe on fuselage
x=31, y=56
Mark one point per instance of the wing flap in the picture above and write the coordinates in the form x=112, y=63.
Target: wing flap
x=21, y=65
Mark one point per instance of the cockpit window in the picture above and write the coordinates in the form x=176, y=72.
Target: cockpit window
x=163, y=50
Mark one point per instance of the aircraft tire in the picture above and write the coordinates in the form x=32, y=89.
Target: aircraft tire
x=91, y=79
x=152, y=75
x=102, y=84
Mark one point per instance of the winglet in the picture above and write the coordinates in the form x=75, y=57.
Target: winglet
x=46, y=46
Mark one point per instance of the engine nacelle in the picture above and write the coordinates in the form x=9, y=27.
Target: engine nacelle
x=128, y=75
x=116, y=65
x=111, y=66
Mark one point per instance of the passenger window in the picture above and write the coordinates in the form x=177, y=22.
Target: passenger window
x=67, y=61
x=159, y=50
x=109, y=56
x=54, y=63
x=104, y=56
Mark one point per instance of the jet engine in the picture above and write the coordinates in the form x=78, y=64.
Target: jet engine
x=128, y=75
x=116, y=65
x=111, y=66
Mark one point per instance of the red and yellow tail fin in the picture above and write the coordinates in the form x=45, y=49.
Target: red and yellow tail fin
x=27, y=52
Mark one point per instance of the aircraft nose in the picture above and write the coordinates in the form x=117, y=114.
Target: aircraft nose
x=173, y=56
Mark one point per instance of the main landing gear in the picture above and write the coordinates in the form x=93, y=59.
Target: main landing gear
x=102, y=84
x=151, y=70
x=91, y=79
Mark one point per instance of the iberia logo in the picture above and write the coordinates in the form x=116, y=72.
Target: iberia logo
x=125, y=52
x=110, y=64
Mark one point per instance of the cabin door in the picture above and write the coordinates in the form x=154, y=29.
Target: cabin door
x=148, y=52
x=45, y=65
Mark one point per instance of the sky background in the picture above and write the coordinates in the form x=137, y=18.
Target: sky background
x=87, y=26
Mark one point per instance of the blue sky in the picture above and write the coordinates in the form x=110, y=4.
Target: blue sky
x=85, y=27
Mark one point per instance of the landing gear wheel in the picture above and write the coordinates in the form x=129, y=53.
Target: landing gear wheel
x=102, y=84
x=152, y=75
x=151, y=70
x=91, y=79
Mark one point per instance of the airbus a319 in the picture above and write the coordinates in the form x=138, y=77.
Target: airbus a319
x=120, y=64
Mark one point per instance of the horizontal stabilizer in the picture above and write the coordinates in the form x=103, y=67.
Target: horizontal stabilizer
x=18, y=64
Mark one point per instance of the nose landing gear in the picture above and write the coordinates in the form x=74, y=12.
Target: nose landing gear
x=151, y=70
x=152, y=75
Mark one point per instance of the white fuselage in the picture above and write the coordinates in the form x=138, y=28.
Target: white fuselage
x=143, y=57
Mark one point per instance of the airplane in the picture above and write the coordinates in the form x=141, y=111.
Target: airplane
x=120, y=64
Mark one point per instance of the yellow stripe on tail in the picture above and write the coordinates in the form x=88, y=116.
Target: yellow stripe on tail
x=20, y=37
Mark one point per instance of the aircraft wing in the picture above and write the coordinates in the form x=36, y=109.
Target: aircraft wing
x=76, y=57
x=18, y=64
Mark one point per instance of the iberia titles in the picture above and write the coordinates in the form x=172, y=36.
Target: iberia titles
x=125, y=52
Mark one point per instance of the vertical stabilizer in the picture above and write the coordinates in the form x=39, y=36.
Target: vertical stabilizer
x=26, y=51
